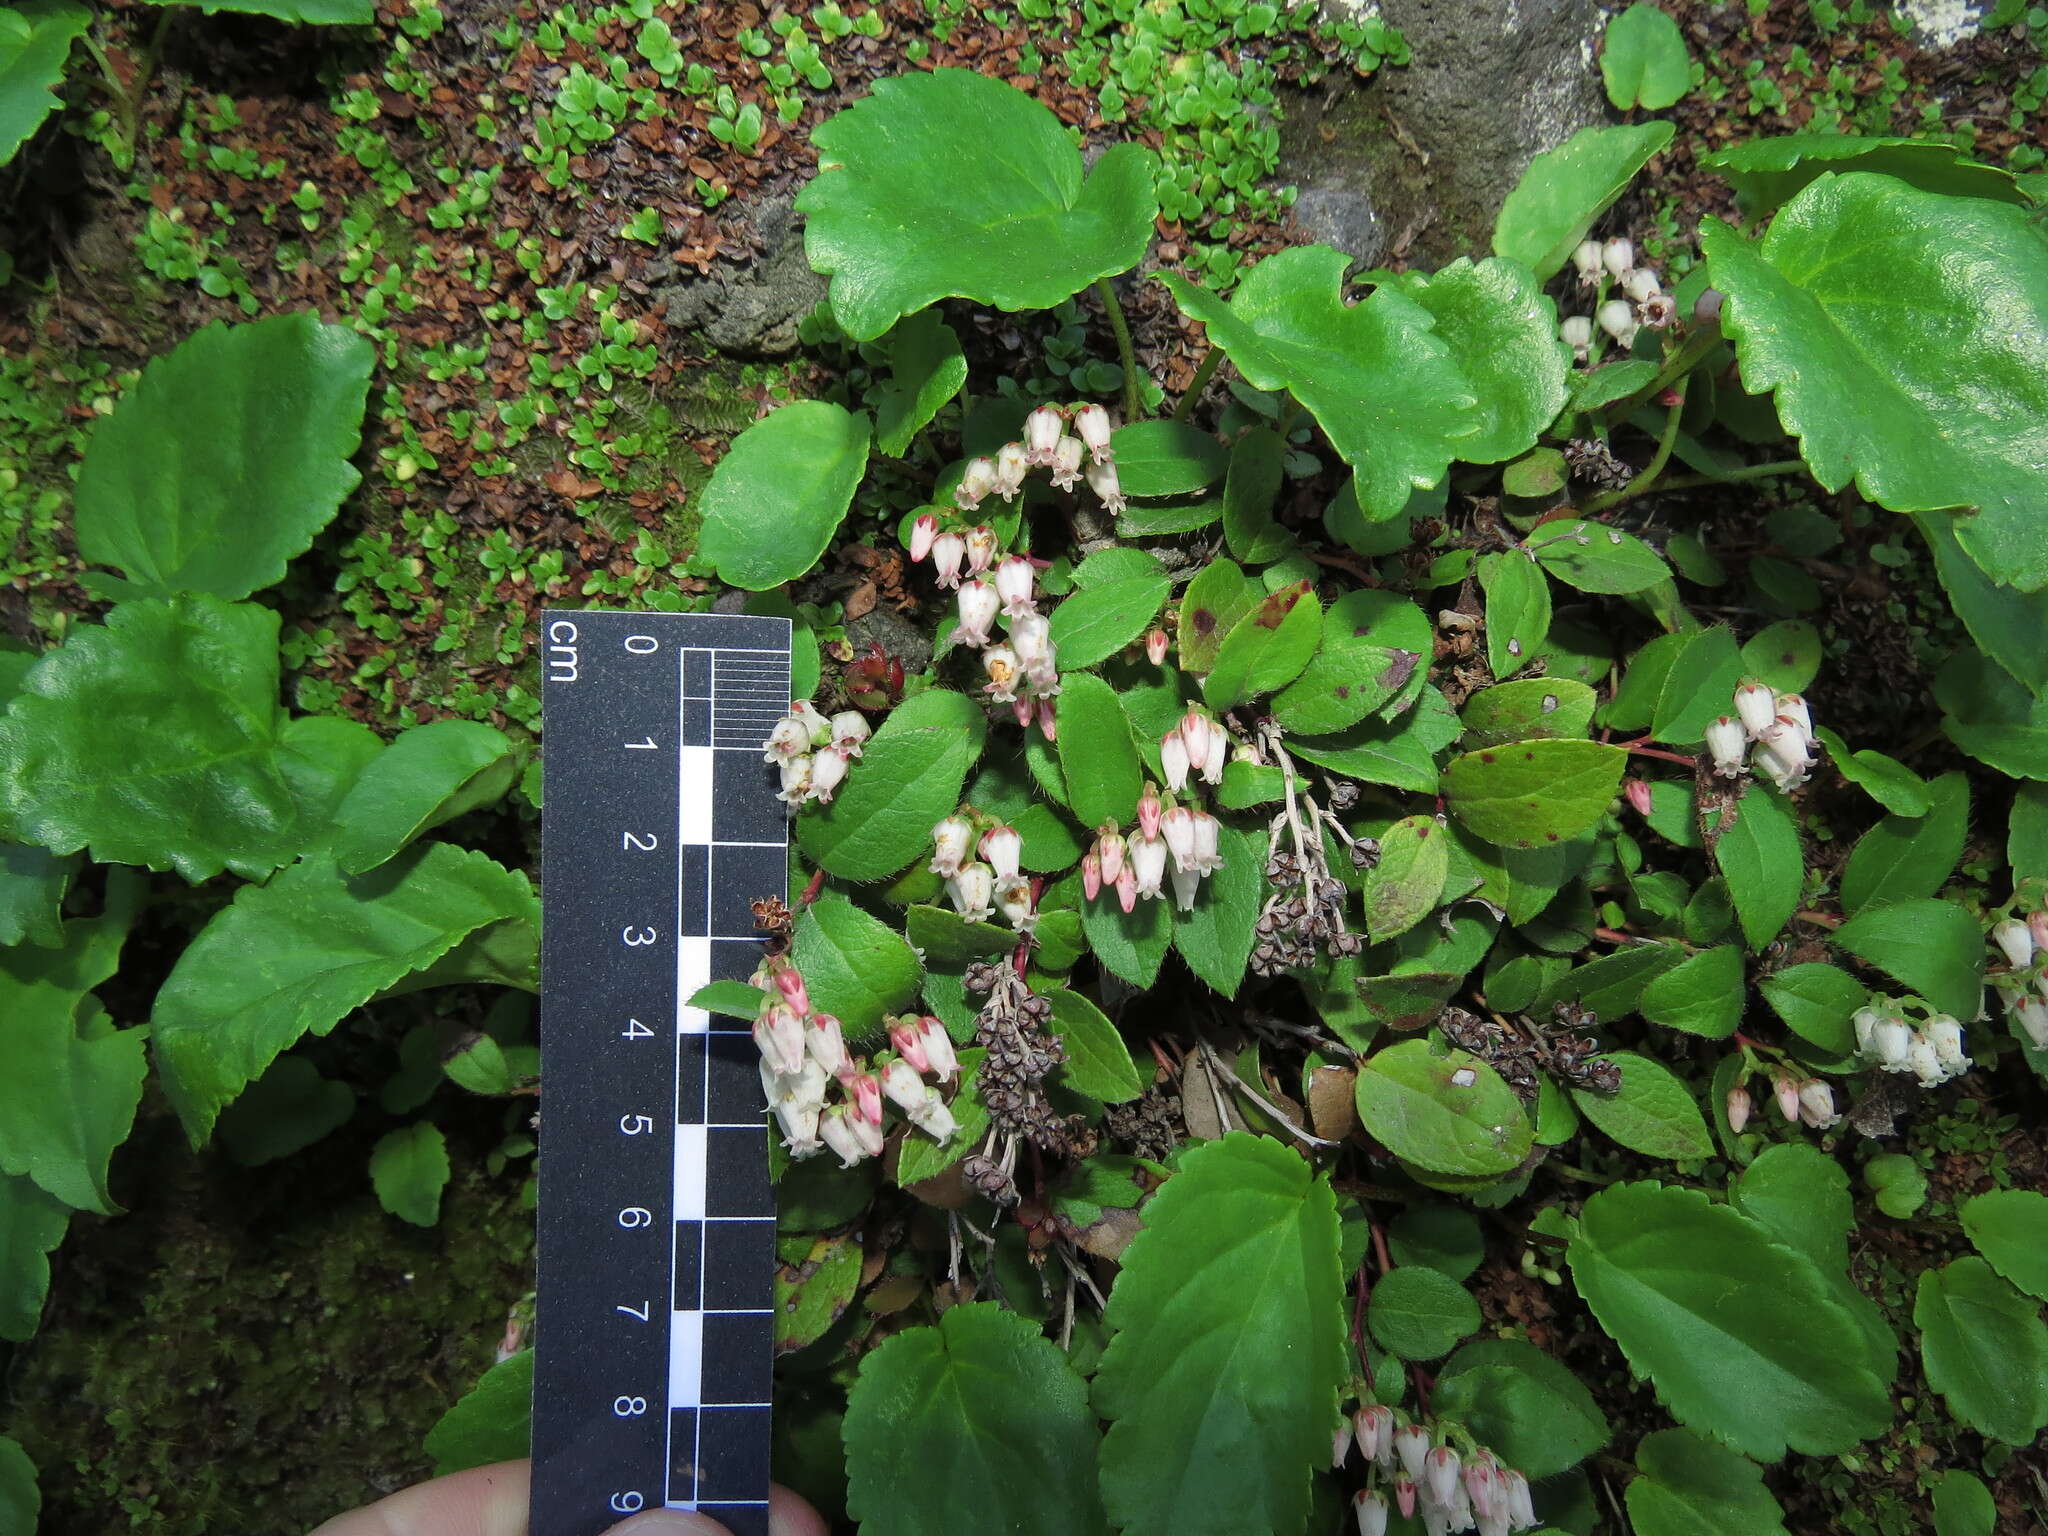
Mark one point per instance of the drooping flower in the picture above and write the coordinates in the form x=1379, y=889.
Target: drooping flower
x=1066, y=463
x=1817, y=1104
x=1618, y=256
x=828, y=769
x=849, y=732
x=1756, y=706
x=1015, y=577
x=938, y=1049
x=1002, y=847
x=952, y=836
x=908, y=1042
x=1148, y=864
x=981, y=548
x=796, y=780
x=2014, y=938
x=1641, y=284
x=1011, y=467
x=1173, y=760
x=1102, y=480
x=1576, y=332
x=1155, y=647
x=779, y=1036
x=949, y=549
x=976, y=481
x=836, y=1130
x=1004, y=671
x=792, y=738
x=825, y=1039
x=1726, y=741
x=1617, y=318
x=1092, y=423
x=1013, y=900
x=978, y=605
x=1738, y=1108
x=1043, y=429
x=922, y=532
x=1587, y=258
x=972, y=891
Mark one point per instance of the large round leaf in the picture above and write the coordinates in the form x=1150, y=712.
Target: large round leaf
x=780, y=492
x=1906, y=334
x=1449, y=1113
x=1387, y=389
x=32, y=68
x=1565, y=189
x=957, y=185
x=1527, y=1405
x=1502, y=332
x=1768, y=173
x=1693, y=1487
x=225, y=459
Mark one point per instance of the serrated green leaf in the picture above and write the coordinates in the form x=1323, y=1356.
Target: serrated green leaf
x=1216, y=936
x=926, y=369
x=1097, y=754
x=1384, y=386
x=1502, y=332
x=909, y=776
x=1221, y=1381
x=1738, y=1333
x=225, y=458
x=1933, y=947
x=1914, y=363
x=409, y=1169
x=1098, y=1062
x=1522, y=1403
x=779, y=494
x=1528, y=709
x=1817, y=1001
x=156, y=739
x=1097, y=622
x=32, y=1224
x=1963, y=1506
x=297, y=955
x=1693, y=1487
x=1266, y=649
x=1904, y=857
x=490, y=1422
x=2006, y=625
x=1759, y=856
x=30, y=73
x=1984, y=1348
x=979, y=1412
x=1768, y=172
x=32, y=885
x=1420, y=1313
x=1526, y=794
x=1565, y=189
x=953, y=184
x=853, y=966
x=1800, y=1196
x=288, y=1108
x=1643, y=59
x=1702, y=995
x=1402, y=888
x=1370, y=647
x=429, y=775
x=1167, y=458
x=1448, y=1113
x=1652, y=1112
x=1517, y=610
x=2010, y=1228
x=1596, y=558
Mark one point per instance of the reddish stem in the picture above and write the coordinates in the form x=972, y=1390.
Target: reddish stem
x=809, y=893
x=1659, y=753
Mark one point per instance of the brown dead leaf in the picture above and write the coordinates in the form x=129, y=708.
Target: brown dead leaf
x=1332, y=1106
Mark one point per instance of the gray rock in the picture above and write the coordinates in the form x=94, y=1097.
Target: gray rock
x=1426, y=152
x=751, y=310
x=907, y=642
x=1940, y=24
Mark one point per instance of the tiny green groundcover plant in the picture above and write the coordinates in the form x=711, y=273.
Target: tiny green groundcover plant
x=1348, y=824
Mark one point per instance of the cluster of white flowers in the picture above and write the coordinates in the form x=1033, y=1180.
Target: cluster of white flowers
x=1022, y=669
x=1134, y=864
x=1931, y=1050
x=1780, y=726
x=814, y=752
x=981, y=887
x=804, y=1058
x=2024, y=987
x=1807, y=1100
x=1641, y=302
x=1450, y=1492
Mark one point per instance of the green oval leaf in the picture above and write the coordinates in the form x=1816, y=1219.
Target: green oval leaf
x=1738, y=1333
x=1097, y=754
x=1517, y=610
x=1527, y=794
x=953, y=184
x=1266, y=649
x=288, y=1108
x=1166, y=458
x=1693, y=1487
x=1652, y=1112
x=1404, y=886
x=1565, y=189
x=428, y=775
x=853, y=966
x=1596, y=558
x=1528, y=709
x=491, y=1422
x=1450, y=1113
x=1934, y=947
x=1369, y=648
x=21, y=1502
x=1985, y=1349
x=1095, y=623
x=1526, y=1405
x=1915, y=362
x=1885, y=779
x=225, y=459
x=1643, y=59
x=1817, y=1001
x=409, y=1169
x=1759, y=856
x=2010, y=1228
x=1098, y=1062
x=1963, y=1506
x=1702, y=995
x=1221, y=1380
x=926, y=369
x=909, y=775
x=1215, y=600
x=1502, y=333
x=1420, y=1313
x=32, y=1224
x=1904, y=857
x=1258, y=463
x=780, y=492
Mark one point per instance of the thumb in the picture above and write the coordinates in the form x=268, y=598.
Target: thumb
x=788, y=1515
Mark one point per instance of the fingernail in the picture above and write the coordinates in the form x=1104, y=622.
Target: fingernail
x=669, y=1522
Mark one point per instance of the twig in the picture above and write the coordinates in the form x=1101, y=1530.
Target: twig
x=1215, y=1064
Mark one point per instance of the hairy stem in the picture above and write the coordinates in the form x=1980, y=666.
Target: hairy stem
x=1124, y=349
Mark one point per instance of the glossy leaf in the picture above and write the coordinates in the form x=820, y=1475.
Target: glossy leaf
x=409, y=1169
x=1530, y=793
x=1699, y=687
x=225, y=459
x=852, y=965
x=1502, y=332
x=1216, y=936
x=1702, y=995
x=1215, y=600
x=2006, y=625
x=1517, y=610
x=1904, y=857
x=2010, y=1228
x=1370, y=647
x=1094, y=624
x=1166, y=458
x=1129, y=945
x=1817, y=1001
x=1760, y=858
x=1737, y=1333
x=1097, y=754
x=429, y=775
x=1221, y=1381
x=32, y=1224
x=1652, y=1112
x=1692, y=1487
x=1098, y=1062
x=781, y=491
x=1401, y=753
x=953, y=184
x=1885, y=779
x=1386, y=388
x=1527, y=709
x=490, y=1422
x=1403, y=887
x=1643, y=59
x=1914, y=363
x=1985, y=1349
x=1419, y=1313
x=1767, y=173
x=32, y=885
x=1266, y=649
x=29, y=76
x=297, y=955
x=1935, y=948
x=909, y=776
x=1596, y=558
x=1448, y=1113
x=1565, y=189
x=1524, y=1404
x=1963, y=1506
x=926, y=369
x=1786, y=655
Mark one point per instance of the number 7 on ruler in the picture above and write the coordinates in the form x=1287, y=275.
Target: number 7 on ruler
x=660, y=829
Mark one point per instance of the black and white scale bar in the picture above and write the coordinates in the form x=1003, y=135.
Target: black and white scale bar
x=657, y=1224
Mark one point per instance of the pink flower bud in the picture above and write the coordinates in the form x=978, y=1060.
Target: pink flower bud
x=1002, y=847
x=1092, y=423
x=2037, y=925
x=1091, y=875
x=1048, y=721
x=1149, y=810
x=1022, y=708
x=1404, y=1497
x=1015, y=578
x=976, y=481
x=1194, y=734
x=978, y=602
x=1638, y=793
x=1109, y=848
x=1043, y=429
x=938, y=1049
x=1786, y=1090
x=906, y=1040
x=865, y=1101
x=790, y=983
x=1127, y=898
x=826, y=1041
x=1374, y=1427
x=779, y=1036
x=1155, y=647
x=948, y=550
x=868, y=1133
x=1340, y=1443
x=1738, y=1108
x=922, y=532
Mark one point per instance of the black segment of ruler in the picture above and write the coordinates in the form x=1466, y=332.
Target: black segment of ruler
x=660, y=828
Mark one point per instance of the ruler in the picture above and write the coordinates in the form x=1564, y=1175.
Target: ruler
x=657, y=1223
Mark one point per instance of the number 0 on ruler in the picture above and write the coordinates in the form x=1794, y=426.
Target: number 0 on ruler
x=660, y=828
